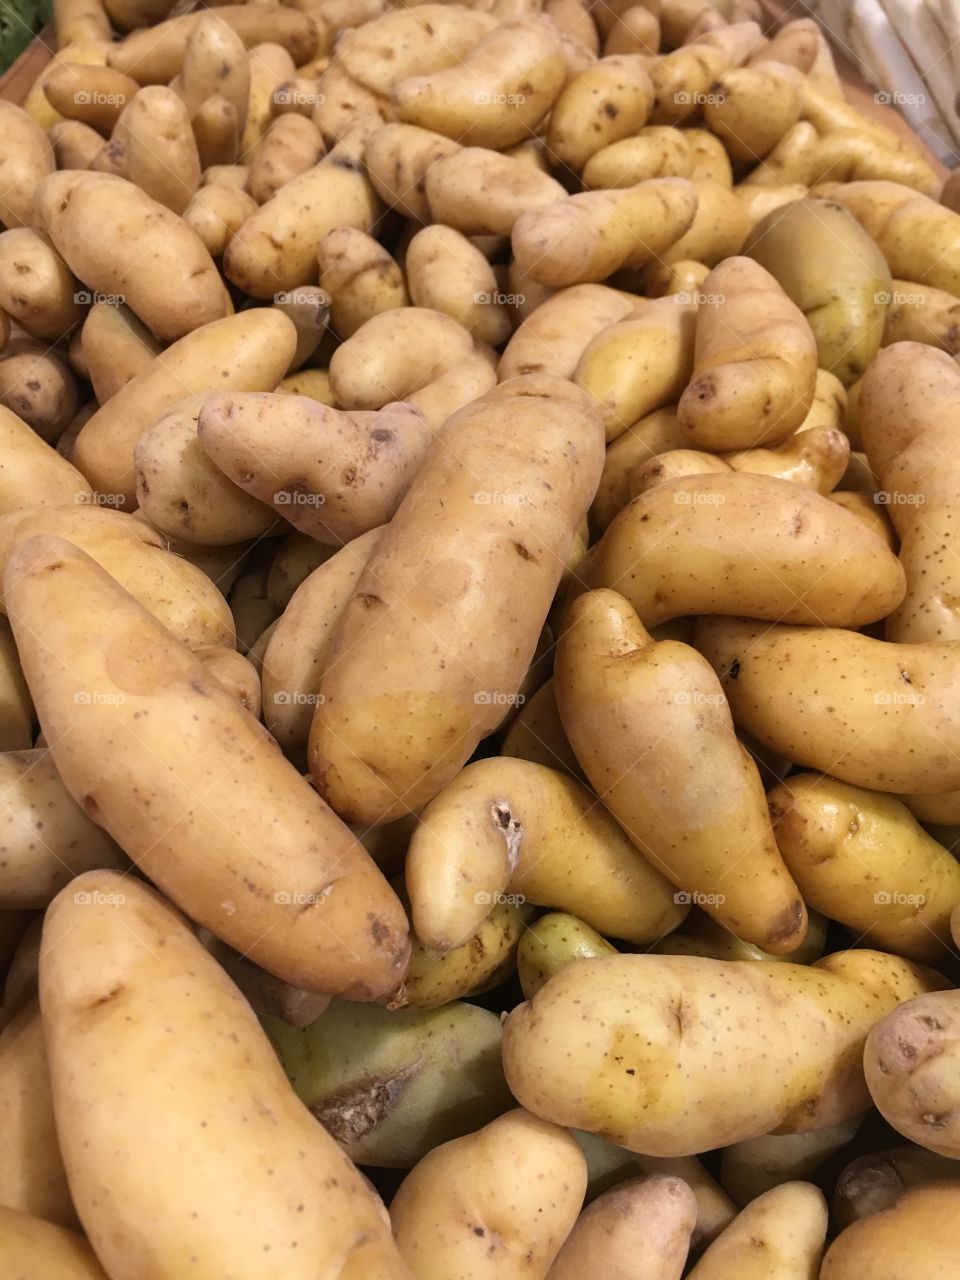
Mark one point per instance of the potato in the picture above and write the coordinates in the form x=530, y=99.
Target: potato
x=573, y=18
x=47, y=838
x=609, y=101
x=163, y=273
x=291, y=145
x=682, y=80
x=36, y=289
x=554, y=336
x=94, y=95
x=460, y=516
x=247, y=352
x=639, y=1228
x=751, y=108
x=271, y=67
x=711, y=164
x=518, y=1171
x=759, y=201
x=780, y=1236
x=332, y=475
x=814, y=457
x=752, y=1168
x=652, y=1052
x=308, y=307
x=861, y=858
x=417, y=40
x=216, y=133
x=703, y=936
x=38, y=386
x=32, y=473
x=27, y=160
x=795, y=43
x=919, y=313
x=390, y=1085
x=276, y=247
x=482, y=192
x=399, y=158
x=837, y=278
x=707, y=523
x=497, y=95
x=587, y=237
x=345, y=107
x=32, y=1177
x=447, y=273
x=652, y=152
x=161, y=152
x=116, y=347
x=302, y=1196
x=790, y=161
x=396, y=354
x=267, y=996
x=641, y=363
x=756, y=897
x=851, y=155
x=888, y=718
x=216, y=214
x=635, y=31
x=75, y=145
x=236, y=673
x=755, y=362
x=159, y=826
x=127, y=15
x=550, y=944
x=875, y=1182
x=157, y=54
x=659, y=432
x=360, y=277
x=913, y=1239
x=296, y=558
x=509, y=829
x=34, y=1247
x=215, y=64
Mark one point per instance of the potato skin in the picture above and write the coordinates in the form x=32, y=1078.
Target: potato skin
x=781, y=1234
x=33, y=1247
x=116, y=949
x=27, y=159
x=153, y=700
x=36, y=289
x=493, y=511
x=608, y=101
x=34, y=474
x=915, y=1239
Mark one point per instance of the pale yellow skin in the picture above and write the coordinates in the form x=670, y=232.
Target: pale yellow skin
x=920, y=313
x=360, y=277
x=250, y=351
x=157, y=264
x=877, y=732
x=910, y=1062
x=446, y=272
x=780, y=1236
x=34, y=474
x=291, y=145
x=751, y=108
x=27, y=160
x=639, y=1229
x=609, y=101
x=398, y=158
x=229, y=861
x=657, y=433
x=333, y=475
x=510, y=827
x=176, y=592
x=215, y=64
x=155, y=55
x=161, y=151
x=635, y=31
x=573, y=18
x=497, y=95
x=789, y=161
x=755, y=363
x=586, y=237
x=36, y=289
x=852, y=155
x=309, y=308
x=815, y=457
x=271, y=67
x=39, y=386
x=712, y=837
x=492, y=513
x=217, y=213
x=94, y=95
x=183, y=493
x=127, y=953
x=33, y=1247
x=75, y=145
x=498, y=1202
x=752, y=545
x=483, y=192
x=216, y=132
x=641, y=363
x=682, y=79
x=536, y=734
x=718, y=228
x=795, y=43
x=32, y=1177
x=276, y=248
x=410, y=41
x=750, y=1169
x=553, y=337
x=759, y=201
x=875, y=1182
x=550, y=944
x=915, y=1239
x=314, y=383
x=236, y=673
x=116, y=347
x=46, y=836
x=344, y=105
x=669, y=278
x=652, y=1051
x=652, y=152
x=710, y=161
x=862, y=858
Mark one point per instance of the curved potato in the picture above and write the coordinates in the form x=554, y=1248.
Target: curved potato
x=920, y=313
x=394, y=355
x=446, y=272
x=657, y=433
x=216, y=214
x=652, y=152
x=94, y=95
x=271, y=68
x=750, y=109
x=290, y=146
x=780, y=1236
x=555, y=334
x=399, y=157
x=161, y=151
x=116, y=347
x=482, y=192
x=37, y=291
x=33, y=474
x=852, y=155
x=609, y=101
x=27, y=160
x=550, y=944
x=34, y=1247
x=360, y=277
x=789, y=161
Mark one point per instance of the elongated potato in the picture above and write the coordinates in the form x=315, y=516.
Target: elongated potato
x=27, y=159
x=659, y=432
x=116, y=347
x=291, y=145
x=94, y=95
x=483, y=192
x=399, y=157
x=652, y=1051
x=555, y=334
x=36, y=289
x=527, y=1175
x=396, y=354
x=816, y=457
x=161, y=151
x=446, y=272
x=33, y=1247
x=780, y=1236
x=751, y=108
x=716, y=844
x=920, y=313
x=914, y=1239
x=33, y=474
x=271, y=68
x=883, y=727
x=790, y=571
x=790, y=161
x=17, y=716
x=118, y=947
x=853, y=155
x=163, y=273
x=75, y=145
x=755, y=363
x=353, y=939
x=360, y=277
x=510, y=827
x=609, y=101
x=410, y=41
x=250, y=351
x=553, y=442
x=215, y=64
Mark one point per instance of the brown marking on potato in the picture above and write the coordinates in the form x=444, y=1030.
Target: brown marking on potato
x=106, y=998
x=523, y=552
x=355, y=1110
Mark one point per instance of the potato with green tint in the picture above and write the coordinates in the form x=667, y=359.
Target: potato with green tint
x=751, y=1168
x=703, y=936
x=389, y=1085
x=553, y=942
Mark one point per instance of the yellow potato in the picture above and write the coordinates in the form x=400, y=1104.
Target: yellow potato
x=271, y=68
x=789, y=161
x=395, y=355
x=36, y=289
x=411, y=41
x=161, y=151
x=33, y=1247
x=780, y=1236
x=39, y=386
x=887, y=720
x=360, y=277
x=215, y=64
x=635, y=31
x=128, y=15
x=398, y=158
x=345, y=106
x=236, y=673
x=446, y=272
x=554, y=335
x=609, y=101
x=217, y=213
x=308, y=307
x=675, y=464
x=913, y=1239
x=710, y=160
x=291, y=145
x=216, y=132
x=659, y=432
x=116, y=347
x=853, y=155
x=94, y=95
x=159, y=826
x=525, y=1175
x=27, y=158
x=920, y=313
x=33, y=474
x=751, y=1168
x=117, y=947
x=75, y=145
x=751, y=108
x=483, y=192
x=550, y=944
x=653, y=152
x=536, y=734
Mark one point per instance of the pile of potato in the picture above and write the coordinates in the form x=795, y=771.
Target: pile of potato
x=479, y=653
